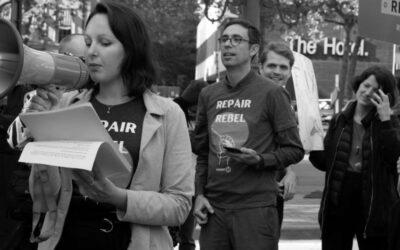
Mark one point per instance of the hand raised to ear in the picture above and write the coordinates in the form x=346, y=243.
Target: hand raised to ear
x=382, y=104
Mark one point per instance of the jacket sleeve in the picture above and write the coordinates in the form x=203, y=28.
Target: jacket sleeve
x=171, y=204
x=389, y=141
x=318, y=158
x=18, y=134
x=201, y=145
x=289, y=151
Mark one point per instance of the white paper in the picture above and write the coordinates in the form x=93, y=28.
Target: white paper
x=306, y=91
x=67, y=154
x=77, y=124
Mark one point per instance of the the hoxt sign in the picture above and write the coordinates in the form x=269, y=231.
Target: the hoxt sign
x=330, y=47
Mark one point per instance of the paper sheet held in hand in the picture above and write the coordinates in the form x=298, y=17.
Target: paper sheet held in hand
x=73, y=137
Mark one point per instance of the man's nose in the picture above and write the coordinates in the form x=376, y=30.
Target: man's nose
x=277, y=71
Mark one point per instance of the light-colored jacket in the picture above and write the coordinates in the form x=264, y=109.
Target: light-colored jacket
x=163, y=184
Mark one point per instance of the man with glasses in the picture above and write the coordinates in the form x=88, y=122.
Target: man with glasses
x=245, y=132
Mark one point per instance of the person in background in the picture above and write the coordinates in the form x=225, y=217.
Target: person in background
x=184, y=234
x=93, y=212
x=20, y=208
x=72, y=45
x=276, y=63
x=245, y=132
x=361, y=148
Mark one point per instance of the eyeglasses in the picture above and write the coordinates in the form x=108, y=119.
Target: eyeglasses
x=235, y=40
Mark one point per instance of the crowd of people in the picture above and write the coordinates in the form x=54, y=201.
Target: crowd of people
x=234, y=171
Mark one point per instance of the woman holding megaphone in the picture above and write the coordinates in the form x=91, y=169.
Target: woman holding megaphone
x=91, y=212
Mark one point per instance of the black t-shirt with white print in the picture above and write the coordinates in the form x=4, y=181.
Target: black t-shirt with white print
x=124, y=123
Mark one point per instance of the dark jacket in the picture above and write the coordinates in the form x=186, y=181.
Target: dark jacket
x=394, y=227
x=381, y=149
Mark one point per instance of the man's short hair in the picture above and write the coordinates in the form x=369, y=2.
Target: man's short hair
x=77, y=47
x=280, y=49
x=253, y=33
x=70, y=37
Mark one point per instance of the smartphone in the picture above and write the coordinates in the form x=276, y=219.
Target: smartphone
x=233, y=150
x=377, y=92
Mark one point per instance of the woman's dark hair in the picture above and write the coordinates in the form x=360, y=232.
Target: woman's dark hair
x=384, y=78
x=138, y=69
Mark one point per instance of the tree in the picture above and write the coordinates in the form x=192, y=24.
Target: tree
x=313, y=13
x=39, y=15
x=172, y=26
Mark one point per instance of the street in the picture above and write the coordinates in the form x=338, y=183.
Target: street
x=300, y=229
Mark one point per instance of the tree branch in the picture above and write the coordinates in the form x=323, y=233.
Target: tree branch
x=289, y=23
x=208, y=3
x=334, y=21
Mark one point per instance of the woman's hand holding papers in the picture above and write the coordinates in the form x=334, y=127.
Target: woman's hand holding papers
x=99, y=188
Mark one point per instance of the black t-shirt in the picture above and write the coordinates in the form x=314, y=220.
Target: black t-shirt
x=124, y=123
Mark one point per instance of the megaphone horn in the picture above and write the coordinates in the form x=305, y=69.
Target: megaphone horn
x=23, y=65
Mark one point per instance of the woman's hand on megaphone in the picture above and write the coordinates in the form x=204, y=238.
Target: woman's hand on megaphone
x=44, y=99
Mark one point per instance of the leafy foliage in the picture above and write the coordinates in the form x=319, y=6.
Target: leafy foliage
x=307, y=18
x=172, y=26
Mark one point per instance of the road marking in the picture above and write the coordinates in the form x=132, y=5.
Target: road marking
x=293, y=245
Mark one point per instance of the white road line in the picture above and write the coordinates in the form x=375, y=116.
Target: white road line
x=294, y=245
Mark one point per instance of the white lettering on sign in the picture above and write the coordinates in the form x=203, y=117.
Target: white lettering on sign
x=390, y=7
x=330, y=47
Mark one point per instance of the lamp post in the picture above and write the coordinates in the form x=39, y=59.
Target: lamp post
x=16, y=13
x=251, y=9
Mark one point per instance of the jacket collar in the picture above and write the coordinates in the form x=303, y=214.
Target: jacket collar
x=348, y=114
x=152, y=103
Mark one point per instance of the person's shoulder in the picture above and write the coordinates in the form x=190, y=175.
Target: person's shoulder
x=161, y=103
x=210, y=88
x=264, y=83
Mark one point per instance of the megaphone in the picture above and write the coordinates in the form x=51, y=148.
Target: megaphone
x=20, y=64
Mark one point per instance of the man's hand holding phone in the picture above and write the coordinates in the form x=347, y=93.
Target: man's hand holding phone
x=232, y=150
x=243, y=155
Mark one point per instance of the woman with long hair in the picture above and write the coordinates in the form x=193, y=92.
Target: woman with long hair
x=362, y=146
x=90, y=211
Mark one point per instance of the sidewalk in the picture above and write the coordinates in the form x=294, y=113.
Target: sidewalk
x=300, y=229
x=300, y=220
